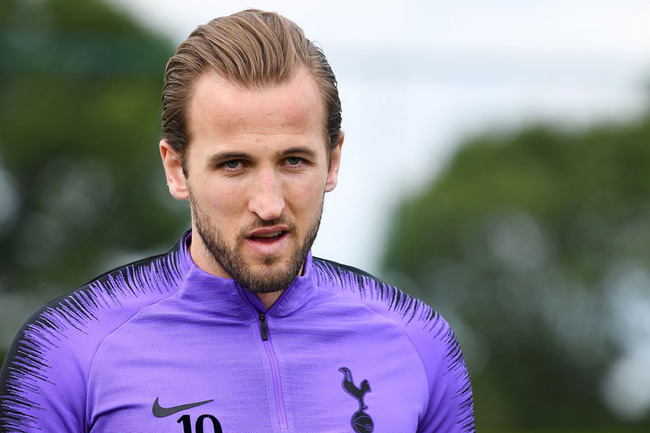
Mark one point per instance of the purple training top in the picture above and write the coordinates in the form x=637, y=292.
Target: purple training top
x=162, y=346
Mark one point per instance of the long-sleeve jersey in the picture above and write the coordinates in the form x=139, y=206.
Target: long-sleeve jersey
x=162, y=346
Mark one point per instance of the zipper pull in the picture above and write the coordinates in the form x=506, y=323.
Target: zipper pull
x=264, y=328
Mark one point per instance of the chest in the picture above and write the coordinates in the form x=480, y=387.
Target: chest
x=211, y=377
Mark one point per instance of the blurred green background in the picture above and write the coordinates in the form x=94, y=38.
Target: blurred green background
x=81, y=187
x=534, y=242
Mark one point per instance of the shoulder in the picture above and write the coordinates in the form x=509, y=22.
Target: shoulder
x=360, y=286
x=427, y=330
x=112, y=296
x=54, y=348
x=450, y=405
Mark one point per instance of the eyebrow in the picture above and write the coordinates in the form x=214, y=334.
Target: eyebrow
x=220, y=157
x=224, y=156
x=298, y=151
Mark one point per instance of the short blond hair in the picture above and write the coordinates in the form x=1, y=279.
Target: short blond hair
x=253, y=49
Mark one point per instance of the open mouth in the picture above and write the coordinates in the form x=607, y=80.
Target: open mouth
x=269, y=241
x=268, y=238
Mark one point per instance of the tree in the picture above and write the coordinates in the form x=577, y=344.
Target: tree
x=522, y=243
x=81, y=186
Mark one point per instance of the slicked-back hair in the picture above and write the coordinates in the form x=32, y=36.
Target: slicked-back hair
x=253, y=49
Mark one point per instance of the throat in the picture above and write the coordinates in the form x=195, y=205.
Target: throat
x=268, y=299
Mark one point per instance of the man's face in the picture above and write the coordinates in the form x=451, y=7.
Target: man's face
x=257, y=170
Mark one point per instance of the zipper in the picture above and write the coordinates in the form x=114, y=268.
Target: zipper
x=264, y=327
x=275, y=373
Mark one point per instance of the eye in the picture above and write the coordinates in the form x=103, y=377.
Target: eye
x=233, y=164
x=294, y=160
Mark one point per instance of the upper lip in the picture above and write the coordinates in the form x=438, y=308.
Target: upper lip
x=265, y=231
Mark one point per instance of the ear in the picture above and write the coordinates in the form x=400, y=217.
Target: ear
x=176, y=181
x=335, y=163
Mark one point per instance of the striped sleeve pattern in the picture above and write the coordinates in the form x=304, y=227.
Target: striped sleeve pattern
x=450, y=407
x=35, y=396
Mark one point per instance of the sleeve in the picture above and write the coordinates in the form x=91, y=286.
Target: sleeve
x=42, y=381
x=450, y=408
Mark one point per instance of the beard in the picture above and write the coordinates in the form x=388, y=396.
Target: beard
x=271, y=276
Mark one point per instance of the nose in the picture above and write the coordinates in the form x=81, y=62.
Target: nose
x=267, y=198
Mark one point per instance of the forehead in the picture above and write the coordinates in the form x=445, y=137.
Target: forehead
x=221, y=109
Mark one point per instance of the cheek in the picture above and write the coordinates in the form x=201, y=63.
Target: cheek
x=219, y=199
x=307, y=196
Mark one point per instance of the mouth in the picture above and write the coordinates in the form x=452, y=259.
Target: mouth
x=267, y=238
x=268, y=241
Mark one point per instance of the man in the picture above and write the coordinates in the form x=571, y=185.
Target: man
x=238, y=328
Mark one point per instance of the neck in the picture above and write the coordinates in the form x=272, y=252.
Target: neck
x=268, y=299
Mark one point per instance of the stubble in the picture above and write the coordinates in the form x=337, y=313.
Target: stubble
x=272, y=276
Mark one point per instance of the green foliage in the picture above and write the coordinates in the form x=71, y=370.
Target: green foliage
x=83, y=189
x=521, y=244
